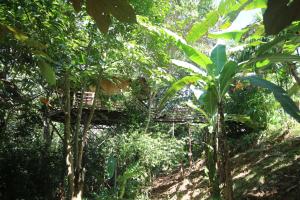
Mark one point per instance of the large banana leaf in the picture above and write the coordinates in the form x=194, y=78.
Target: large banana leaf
x=231, y=35
x=201, y=28
x=188, y=66
x=219, y=58
x=280, y=94
x=276, y=41
x=273, y=58
x=179, y=85
x=210, y=100
x=194, y=55
x=226, y=77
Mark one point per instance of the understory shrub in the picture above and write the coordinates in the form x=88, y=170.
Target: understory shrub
x=138, y=157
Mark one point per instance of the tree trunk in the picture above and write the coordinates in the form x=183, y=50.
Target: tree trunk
x=211, y=164
x=224, y=159
x=190, y=146
x=79, y=169
x=67, y=137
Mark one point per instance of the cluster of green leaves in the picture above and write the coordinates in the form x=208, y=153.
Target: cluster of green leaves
x=219, y=74
x=254, y=102
x=135, y=155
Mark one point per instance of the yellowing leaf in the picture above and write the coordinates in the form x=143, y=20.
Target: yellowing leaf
x=47, y=72
x=18, y=35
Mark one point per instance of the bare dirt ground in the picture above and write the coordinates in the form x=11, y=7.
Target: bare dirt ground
x=270, y=171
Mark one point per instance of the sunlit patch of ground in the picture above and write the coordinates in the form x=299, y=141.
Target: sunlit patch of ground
x=270, y=171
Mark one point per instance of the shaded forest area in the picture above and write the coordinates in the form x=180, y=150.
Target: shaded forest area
x=153, y=99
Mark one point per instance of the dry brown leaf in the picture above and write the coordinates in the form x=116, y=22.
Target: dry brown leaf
x=122, y=10
x=77, y=4
x=99, y=11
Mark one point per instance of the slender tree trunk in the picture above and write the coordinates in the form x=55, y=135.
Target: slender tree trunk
x=190, y=146
x=294, y=73
x=224, y=164
x=149, y=112
x=79, y=170
x=67, y=137
x=45, y=155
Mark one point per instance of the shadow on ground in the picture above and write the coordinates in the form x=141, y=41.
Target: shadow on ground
x=266, y=172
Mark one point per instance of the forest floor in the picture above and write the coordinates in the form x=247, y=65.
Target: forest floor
x=270, y=170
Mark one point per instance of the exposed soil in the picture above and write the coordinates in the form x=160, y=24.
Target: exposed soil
x=268, y=172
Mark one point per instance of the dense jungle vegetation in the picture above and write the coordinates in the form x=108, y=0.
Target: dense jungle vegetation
x=152, y=99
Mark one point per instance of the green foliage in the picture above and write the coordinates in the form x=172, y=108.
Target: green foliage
x=254, y=102
x=226, y=76
x=201, y=28
x=139, y=155
x=47, y=72
x=179, y=85
x=231, y=35
x=219, y=58
x=280, y=95
x=111, y=166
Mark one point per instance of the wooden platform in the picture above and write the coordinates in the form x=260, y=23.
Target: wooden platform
x=101, y=116
x=108, y=117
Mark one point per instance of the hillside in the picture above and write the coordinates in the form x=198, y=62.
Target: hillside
x=268, y=171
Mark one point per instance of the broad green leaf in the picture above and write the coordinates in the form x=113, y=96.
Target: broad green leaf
x=276, y=41
x=210, y=100
x=201, y=28
x=219, y=58
x=194, y=55
x=227, y=6
x=226, y=76
x=197, y=57
x=173, y=36
x=256, y=4
x=188, y=66
x=232, y=35
x=47, y=72
x=290, y=46
x=280, y=94
x=273, y=58
x=232, y=8
x=111, y=166
x=179, y=85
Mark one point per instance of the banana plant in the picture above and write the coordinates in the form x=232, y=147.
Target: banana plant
x=214, y=79
x=214, y=76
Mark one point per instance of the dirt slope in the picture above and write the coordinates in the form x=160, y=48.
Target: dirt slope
x=268, y=172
